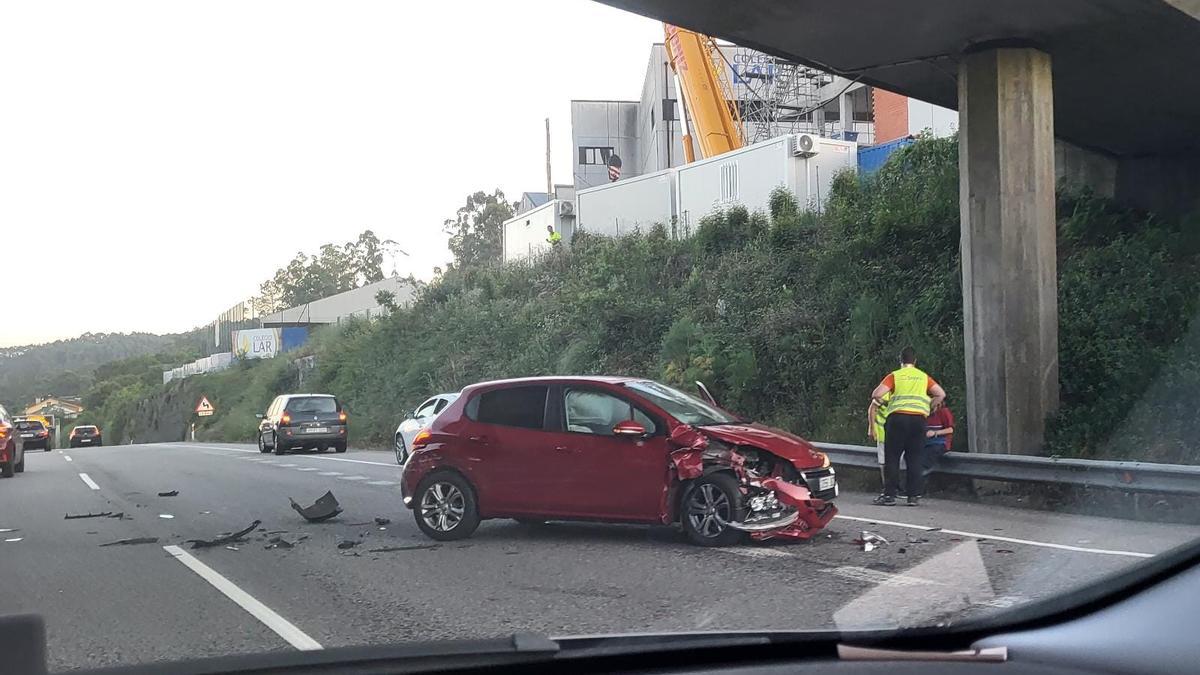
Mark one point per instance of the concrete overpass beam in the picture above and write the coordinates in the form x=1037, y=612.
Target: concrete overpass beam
x=1006, y=198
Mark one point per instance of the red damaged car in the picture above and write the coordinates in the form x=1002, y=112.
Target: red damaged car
x=613, y=449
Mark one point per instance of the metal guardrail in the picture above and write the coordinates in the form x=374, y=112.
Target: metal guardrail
x=1179, y=479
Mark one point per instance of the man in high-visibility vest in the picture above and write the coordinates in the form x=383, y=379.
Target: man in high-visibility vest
x=553, y=238
x=913, y=393
x=876, y=417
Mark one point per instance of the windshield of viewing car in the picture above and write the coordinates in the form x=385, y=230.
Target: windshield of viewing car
x=248, y=247
x=685, y=408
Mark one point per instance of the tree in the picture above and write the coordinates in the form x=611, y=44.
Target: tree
x=335, y=269
x=386, y=300
x=476, y=231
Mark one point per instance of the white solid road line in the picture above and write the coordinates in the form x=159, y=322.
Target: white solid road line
x=269, y=618
x=1011, y=540
x=380, y=482
x=88, y=479
x=330, y=473
x=353, y=478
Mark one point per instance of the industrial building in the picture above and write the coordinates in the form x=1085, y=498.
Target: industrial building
x=358, y=302
x=800, y=125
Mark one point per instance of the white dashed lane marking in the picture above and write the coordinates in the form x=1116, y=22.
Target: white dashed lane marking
x=269, y=618
x=88, y=480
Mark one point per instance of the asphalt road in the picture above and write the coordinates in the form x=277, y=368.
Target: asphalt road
x=133, y=603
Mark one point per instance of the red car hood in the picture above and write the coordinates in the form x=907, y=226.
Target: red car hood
x=788, y=446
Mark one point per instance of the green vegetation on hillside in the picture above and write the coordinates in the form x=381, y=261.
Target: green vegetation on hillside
x=334, y=269
x=791, y=317
x=64, y=367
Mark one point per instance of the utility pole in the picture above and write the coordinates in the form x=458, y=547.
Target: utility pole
x=549, y=182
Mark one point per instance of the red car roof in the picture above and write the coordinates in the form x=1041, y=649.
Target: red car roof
x=551, y=379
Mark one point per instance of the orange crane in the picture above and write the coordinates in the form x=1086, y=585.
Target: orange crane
x=708, y=102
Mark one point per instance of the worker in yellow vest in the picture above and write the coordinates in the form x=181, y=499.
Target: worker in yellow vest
x=913, y=393
x=876, y=417
x=553, y=238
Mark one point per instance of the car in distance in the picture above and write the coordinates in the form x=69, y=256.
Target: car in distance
x=34, y=434
x=418, y=420
x=85, y=435
x=303, y=422
x=613, y=449
x=12, y=447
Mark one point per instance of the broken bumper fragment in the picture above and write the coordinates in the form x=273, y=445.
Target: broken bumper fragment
x=809, y=516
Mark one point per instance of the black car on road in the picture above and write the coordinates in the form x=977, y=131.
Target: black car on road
x=35, y=434
x=303, y=422
x=86, y=435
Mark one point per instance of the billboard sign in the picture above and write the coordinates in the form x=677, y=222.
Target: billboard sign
x=256, y=343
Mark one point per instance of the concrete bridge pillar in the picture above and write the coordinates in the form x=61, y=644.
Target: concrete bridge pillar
x=1010, y=287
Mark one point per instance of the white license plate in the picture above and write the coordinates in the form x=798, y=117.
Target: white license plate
x=826, y=483
x=317, y=430
x=85, y=440
x=27, y=435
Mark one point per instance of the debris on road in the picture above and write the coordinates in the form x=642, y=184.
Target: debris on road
x=77, y=516
x=323, y=509
x=227, y=539
x=132, y=542
x=1004, y=550
x=172, y=493
x=414, y=547
x=348, y=544
x=870, y=541
x=382, y=521
x=279, y=542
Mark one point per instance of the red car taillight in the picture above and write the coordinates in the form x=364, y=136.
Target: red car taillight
x=43, y=434
x=421, y=439
x=285, y=419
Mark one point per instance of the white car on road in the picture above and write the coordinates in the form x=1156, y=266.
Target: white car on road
x=418, y=420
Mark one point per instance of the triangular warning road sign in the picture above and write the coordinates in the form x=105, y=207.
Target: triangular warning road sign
x=204, y=406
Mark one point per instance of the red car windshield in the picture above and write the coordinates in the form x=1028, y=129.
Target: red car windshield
x=683, y=407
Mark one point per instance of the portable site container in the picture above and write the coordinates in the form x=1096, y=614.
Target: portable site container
x=525, y=235
x=802, y=163
x=628, y=204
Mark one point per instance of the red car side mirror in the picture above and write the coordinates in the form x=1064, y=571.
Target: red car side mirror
x=629, y=428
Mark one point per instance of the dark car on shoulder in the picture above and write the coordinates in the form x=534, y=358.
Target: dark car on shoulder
x=303, y=422
x=85, y=435
x=35, y=434
x=614, y=449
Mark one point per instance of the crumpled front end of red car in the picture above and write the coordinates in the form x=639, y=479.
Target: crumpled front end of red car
x=811, y=514
x=777, y=503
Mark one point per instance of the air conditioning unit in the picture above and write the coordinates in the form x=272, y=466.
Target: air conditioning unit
x=805, y=145
x=566, y=208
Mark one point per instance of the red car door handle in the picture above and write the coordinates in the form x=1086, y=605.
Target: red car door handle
x=478, y=439
x=561, y=448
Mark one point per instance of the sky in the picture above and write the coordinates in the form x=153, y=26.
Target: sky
x=160, y=159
